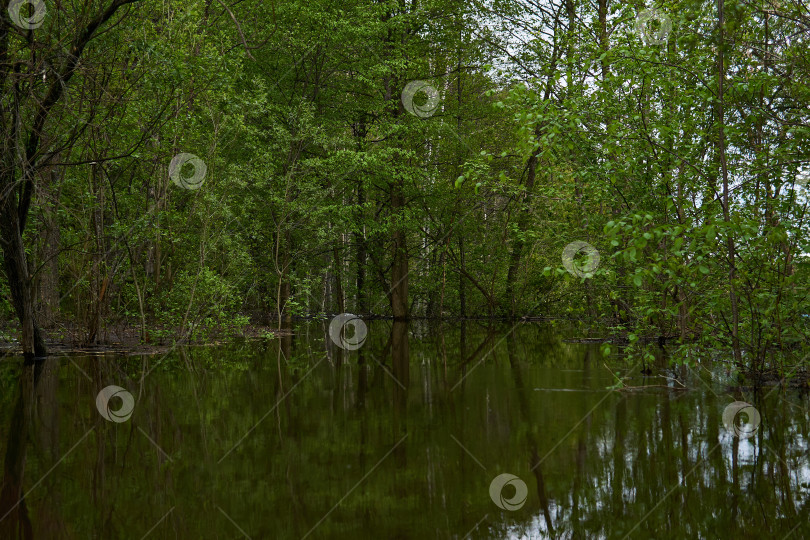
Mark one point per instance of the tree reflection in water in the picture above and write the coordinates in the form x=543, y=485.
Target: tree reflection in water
x=399, y=439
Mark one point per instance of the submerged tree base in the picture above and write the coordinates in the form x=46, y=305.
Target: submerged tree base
x=751, y=380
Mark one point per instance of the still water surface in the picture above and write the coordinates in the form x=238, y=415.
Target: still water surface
x=401, y=439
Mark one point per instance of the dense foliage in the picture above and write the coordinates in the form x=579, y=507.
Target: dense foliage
x=683, y=163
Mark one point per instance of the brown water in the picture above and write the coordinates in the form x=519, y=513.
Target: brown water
x=399, y=439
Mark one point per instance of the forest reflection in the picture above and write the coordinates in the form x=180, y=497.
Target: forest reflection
x=294, y=438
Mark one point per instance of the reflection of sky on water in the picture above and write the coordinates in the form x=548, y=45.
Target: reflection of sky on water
x=606, y=458
x=723, y=466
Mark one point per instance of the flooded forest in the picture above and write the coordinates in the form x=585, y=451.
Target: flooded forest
x=404, y=269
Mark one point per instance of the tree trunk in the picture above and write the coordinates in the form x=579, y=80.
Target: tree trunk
x=338, y=276
x=15, y=264
x=462, y=289
x=284, y=289
x=721, y=149
x=360, y=241
x=523, y=224
x=399, y=270
x=98, y=278
x=359, y=131
x=531, y=175
x=48, y=279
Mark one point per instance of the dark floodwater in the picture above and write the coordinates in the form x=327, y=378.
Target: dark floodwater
x=402, y=438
